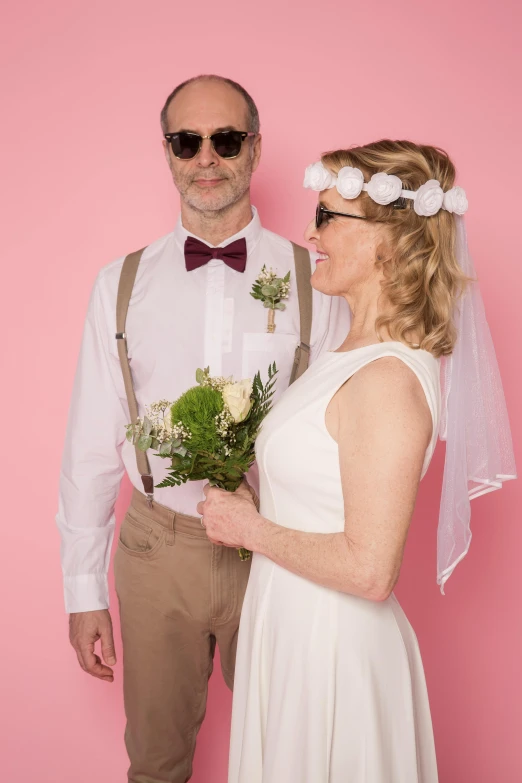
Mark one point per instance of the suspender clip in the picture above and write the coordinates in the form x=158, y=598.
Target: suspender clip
x=121, y=336
x=148, y=488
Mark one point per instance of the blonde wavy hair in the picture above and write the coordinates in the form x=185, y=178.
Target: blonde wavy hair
x=422, y=279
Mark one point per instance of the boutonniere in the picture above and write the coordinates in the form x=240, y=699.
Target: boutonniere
x=271, y=290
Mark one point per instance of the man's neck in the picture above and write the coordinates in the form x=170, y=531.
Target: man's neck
x=216, y=227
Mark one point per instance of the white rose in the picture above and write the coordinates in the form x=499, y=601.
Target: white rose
x=455, y=201
x=350, y=182
x=317, y=177
x=384, y=188
x=236, y=397
x=429, y=198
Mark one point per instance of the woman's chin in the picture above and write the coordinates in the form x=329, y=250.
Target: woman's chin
x=319, y=280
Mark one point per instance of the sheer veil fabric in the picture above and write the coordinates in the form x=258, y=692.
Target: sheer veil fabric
x=474, y=424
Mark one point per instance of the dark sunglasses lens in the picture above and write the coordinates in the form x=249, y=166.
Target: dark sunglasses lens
x=319, y=217
x=185, y=145
x=227, y=144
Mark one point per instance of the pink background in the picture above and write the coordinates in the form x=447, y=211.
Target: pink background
x=84, y=180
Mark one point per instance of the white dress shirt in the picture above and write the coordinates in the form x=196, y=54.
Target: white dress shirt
x=177, y=321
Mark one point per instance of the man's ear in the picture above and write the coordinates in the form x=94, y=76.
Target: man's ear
x=166, y=150
x=256, y=151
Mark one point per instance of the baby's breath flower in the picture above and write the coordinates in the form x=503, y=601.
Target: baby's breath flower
x=216, y=382
x=180, y=431
x=266, y=276
x=160, y=406
x=224, y=421
x=157, y=415
x=162, y=435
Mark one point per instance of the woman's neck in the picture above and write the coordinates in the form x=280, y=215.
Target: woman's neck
x=365, y=306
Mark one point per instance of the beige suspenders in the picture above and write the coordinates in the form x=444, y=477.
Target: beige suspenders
x=125, y=286
x=303, y=272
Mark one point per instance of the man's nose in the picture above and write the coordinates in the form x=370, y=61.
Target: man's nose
x=207, y=154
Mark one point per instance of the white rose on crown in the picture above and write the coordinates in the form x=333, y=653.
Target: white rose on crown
x=350, y=182
x=317, y=177
x=455, y=200
x=384, y=188
x=428, y=198
x=236, y=397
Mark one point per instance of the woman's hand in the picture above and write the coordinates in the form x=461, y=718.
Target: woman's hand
x=229, y=517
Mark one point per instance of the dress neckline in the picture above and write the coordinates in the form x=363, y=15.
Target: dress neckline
x=373, y=345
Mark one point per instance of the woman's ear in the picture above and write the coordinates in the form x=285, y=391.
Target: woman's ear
x=383, y=253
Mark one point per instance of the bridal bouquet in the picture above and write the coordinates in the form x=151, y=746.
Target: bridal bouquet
x=208, y=433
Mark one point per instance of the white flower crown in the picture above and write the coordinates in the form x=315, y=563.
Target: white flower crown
x=387, y=188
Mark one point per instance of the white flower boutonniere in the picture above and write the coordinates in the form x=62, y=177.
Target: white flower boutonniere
x=271, y=289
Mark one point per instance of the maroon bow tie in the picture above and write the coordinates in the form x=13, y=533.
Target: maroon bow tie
x=198, y=254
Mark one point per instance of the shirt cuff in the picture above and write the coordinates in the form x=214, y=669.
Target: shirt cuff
x=86, y=593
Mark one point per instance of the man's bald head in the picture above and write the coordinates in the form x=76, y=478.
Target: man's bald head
x=252, y=114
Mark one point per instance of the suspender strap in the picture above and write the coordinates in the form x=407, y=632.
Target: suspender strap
x=126, y=284
x=303, y=272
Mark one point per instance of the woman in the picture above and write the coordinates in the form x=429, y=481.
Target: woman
x=329, y=682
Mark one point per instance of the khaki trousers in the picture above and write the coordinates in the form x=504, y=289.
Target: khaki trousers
x=179, y=595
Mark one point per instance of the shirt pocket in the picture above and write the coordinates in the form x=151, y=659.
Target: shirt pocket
x=261, y=349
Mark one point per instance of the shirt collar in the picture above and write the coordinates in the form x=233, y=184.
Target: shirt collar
x=251, y=232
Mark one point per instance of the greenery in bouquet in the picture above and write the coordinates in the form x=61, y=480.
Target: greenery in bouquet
x=209, y=433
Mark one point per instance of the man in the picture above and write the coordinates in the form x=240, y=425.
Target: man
x=190, y=307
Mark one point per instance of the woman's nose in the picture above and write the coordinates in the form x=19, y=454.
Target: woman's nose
x=310, y=233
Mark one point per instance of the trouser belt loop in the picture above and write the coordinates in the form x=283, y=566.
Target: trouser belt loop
x=170, y=533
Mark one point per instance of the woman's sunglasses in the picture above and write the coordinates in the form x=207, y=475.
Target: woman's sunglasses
x=322, y=214
x=227, y=144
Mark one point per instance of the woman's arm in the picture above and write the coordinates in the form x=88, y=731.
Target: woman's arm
x=382, y=423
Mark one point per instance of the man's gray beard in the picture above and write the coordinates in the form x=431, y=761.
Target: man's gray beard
x=235, y=190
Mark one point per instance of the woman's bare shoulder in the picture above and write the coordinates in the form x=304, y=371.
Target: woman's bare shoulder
x=385, y=389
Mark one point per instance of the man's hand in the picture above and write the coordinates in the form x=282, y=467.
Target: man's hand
x=85, y=628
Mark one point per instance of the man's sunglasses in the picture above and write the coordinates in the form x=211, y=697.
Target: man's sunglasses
x=322, y=214
x=227, y=144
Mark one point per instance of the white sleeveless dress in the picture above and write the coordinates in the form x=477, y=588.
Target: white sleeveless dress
x=329, y=688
